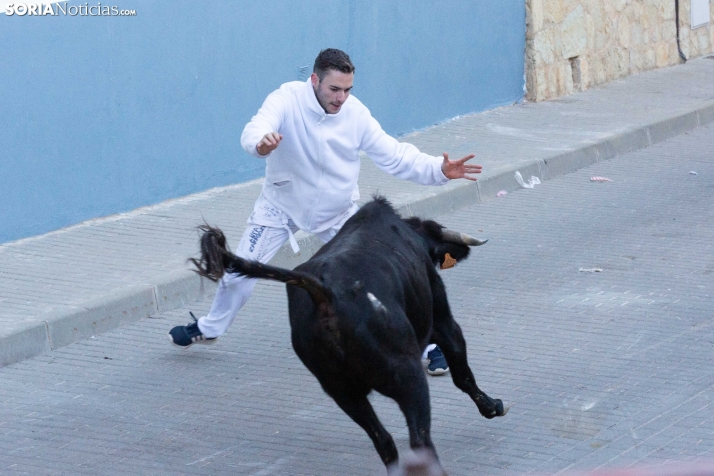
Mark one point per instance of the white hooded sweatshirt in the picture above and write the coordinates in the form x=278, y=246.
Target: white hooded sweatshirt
x=312, y=175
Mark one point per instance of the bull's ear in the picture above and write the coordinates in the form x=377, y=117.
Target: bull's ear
x=449, y=262
x=448, y=254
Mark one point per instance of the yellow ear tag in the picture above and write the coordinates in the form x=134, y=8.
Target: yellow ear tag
x=449, y=262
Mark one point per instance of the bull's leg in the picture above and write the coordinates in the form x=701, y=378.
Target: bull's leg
x=360, y=410
x=447, y=335
x=412, y=395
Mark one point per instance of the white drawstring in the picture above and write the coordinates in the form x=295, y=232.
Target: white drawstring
x=291, y=237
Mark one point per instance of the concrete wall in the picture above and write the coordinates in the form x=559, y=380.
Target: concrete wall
x=576, y=44
x=105, y=114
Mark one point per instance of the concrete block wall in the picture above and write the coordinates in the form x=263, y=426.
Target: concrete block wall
x=572, y=45
x=104, y=114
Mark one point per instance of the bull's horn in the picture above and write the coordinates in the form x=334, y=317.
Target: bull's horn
x=460, y=238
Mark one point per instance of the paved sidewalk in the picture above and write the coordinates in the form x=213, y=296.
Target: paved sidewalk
x=68, y=285
x=602, y=370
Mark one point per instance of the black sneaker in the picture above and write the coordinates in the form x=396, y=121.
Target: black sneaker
x=437, y=362
x=185, y=336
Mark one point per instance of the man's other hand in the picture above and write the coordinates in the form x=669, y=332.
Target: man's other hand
x=268, y=143
x=454, y=169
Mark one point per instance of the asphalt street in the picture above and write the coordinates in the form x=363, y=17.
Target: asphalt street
x=603, y=369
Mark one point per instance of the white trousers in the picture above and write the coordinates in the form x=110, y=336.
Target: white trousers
x=428, y=349
x=268, y=229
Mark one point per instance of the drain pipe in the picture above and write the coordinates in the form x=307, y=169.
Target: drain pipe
x=676, y=16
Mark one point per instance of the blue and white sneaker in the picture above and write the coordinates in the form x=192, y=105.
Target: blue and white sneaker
x=185, y=336
x=437, y=362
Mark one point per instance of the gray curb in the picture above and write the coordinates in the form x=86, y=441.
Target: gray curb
x=176, y=289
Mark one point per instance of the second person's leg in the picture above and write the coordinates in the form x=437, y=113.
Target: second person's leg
x=259, y=243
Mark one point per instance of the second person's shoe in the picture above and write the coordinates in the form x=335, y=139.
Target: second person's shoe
x=185, y=336
x=437, y=362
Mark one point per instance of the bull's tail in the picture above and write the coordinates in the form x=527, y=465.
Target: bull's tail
x=216, y=260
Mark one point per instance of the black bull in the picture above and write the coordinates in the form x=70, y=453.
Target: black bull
x=363, y=308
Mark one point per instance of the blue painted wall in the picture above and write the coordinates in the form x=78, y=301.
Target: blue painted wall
x=101, y=115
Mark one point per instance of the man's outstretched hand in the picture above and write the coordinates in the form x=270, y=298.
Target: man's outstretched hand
x=454, y=169
x=268, y=143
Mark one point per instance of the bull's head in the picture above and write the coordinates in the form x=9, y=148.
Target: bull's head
x=446, y=247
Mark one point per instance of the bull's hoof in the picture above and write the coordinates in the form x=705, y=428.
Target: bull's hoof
x=422, y=462
x=499, y=409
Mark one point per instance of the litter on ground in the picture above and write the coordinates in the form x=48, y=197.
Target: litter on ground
x=531, y=183
x=597, y=178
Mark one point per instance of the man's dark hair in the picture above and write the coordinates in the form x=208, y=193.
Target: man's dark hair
x=332, y=58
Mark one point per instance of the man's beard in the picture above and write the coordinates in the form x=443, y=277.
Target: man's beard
x=322, y=100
